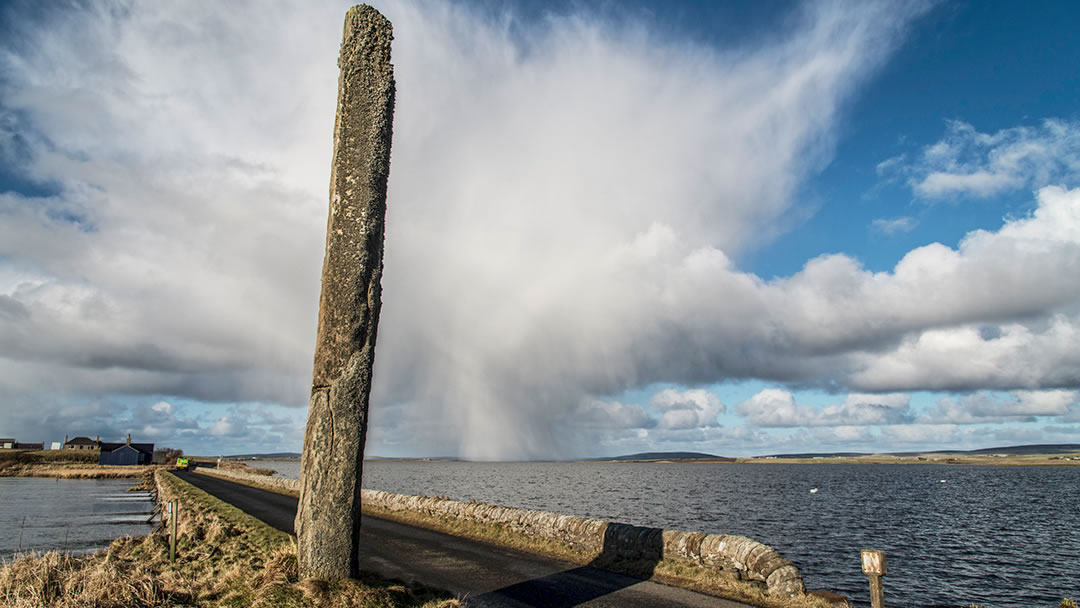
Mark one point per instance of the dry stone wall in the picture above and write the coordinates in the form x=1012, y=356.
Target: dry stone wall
x=281, y=485
x=737, y=556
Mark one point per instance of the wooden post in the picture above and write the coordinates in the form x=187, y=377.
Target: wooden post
x=22, y=527
x=873, y=565
x=174, y=514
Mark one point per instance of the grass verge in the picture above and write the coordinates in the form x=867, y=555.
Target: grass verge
x=225, y=558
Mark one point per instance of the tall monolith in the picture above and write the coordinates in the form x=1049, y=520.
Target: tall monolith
x=328, y=518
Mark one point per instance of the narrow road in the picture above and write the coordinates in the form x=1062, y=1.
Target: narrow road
x=482, y=575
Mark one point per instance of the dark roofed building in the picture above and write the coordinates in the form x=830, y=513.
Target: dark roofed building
x=29, y=446
x=81, y=443
x=126, y=453
x=6, y=443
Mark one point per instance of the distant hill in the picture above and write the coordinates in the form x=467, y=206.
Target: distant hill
x=1020, y=450
x=1013, y=450
x=661, y=456
x=819, y=455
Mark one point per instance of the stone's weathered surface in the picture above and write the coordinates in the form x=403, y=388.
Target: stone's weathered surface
x=328, y=518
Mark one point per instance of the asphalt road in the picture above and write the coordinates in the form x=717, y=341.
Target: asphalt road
x=482, y=575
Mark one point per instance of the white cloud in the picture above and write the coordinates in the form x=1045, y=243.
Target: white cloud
x=162, y=407
x=967, y=162
x=689, y=409
x=982, y=407
x=777, y=408
x=894, y=225
x=567, y=203
x=889, y=165
x=611, y=414
x=1041, y=403
x=226, y=427
x=926, y=435
x=961, y=358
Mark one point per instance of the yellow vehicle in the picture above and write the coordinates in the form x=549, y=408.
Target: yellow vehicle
x=182, y=464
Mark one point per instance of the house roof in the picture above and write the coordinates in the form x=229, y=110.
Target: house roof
x=146, y=448
x=81, y=441
x=7, y=440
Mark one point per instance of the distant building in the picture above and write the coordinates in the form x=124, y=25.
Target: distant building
x=12, y=444
x=82, y=443
x=126, y=453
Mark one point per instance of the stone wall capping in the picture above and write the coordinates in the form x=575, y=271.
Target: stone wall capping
x=735, y=556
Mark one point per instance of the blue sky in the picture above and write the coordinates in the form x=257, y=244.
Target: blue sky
x=736, y=228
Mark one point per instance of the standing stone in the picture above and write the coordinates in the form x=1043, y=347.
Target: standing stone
x=328, y=518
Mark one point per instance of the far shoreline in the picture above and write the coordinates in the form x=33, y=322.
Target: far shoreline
x=1032, y=460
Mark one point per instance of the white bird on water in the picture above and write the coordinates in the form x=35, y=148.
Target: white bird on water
x=813, y=490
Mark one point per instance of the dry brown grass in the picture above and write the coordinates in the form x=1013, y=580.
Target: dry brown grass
x=63, y=464
x=56, y=579
x=225, y=558
x=76, y=471
x=69, y=456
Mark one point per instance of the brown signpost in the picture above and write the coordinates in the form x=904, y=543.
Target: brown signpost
x=328, y=516
x=873, y=565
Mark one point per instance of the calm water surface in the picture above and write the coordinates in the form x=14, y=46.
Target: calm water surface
x=1005, y=537
x=75, y=515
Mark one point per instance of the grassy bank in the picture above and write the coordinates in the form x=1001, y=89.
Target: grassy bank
x=63, y=464
x=225, y=558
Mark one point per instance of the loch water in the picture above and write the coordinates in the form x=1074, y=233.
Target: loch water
x=1002, y=537
x=74, y=515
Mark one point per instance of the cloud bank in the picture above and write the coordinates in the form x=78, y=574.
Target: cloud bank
x=568, y=202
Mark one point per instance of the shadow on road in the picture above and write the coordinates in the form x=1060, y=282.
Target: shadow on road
x=630, y=548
